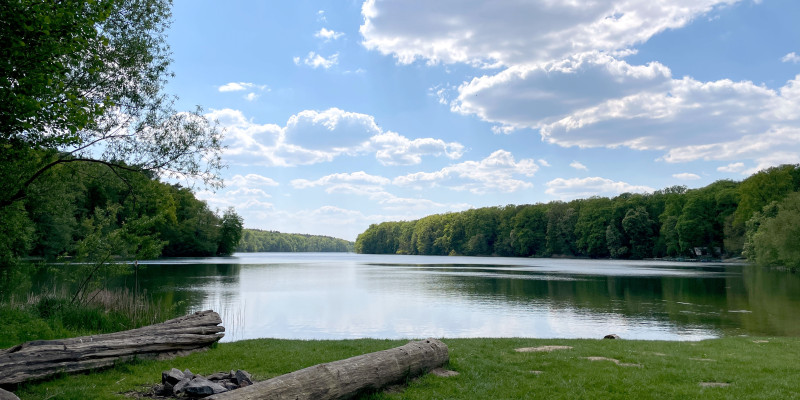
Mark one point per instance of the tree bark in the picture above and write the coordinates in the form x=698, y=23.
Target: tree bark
x=43, y=358
x=347, y=378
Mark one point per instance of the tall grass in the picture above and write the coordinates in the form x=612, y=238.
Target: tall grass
x=51, y=315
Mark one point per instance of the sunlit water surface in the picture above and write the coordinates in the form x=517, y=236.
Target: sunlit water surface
x=340, y=296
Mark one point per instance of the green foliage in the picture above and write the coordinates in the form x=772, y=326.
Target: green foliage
x=254, y=240
x=81, y=82
x=673, y=222
x=773, y=235
x=230, y=232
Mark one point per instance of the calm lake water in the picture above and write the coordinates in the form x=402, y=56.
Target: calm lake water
x=337, y=295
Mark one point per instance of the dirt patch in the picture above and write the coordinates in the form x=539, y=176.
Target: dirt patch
x=703, y=359
x=760, y=341
x=615, y=361
x=444, y=373
x=537, y=372
x=542, y=348
x=714, y=384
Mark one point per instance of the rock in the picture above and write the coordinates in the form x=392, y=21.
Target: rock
x=611, y=336
x=242, y=378
x=5, y=395
x=202, y=387
x=172, y=376
x=219, y=376
x=188, y=374
x=178, y=388
x=164, y=389
x=227, y=384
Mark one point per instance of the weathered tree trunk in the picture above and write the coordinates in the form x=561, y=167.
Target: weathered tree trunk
x=43, y=358
x=346, y=378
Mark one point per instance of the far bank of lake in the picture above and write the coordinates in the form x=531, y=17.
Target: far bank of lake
x=345, y=295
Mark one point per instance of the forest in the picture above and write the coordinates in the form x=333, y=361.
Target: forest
x=256, y=240
x=80, y=208
x=758, y=218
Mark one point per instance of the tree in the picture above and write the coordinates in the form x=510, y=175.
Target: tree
x=230, y=232
x=639, y=228
x=81, y=82
x=773, y=236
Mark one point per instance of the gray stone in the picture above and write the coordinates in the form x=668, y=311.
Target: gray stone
x=188, y=374
x=243, y=378
x=180, y=386
x=228, y=384
x=172, y=376
x=219, y=376
x=202, y=387
x=5, y=395
x=611, y=336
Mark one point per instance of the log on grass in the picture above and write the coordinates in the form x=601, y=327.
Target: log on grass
x=347, y=378
x=43, y=358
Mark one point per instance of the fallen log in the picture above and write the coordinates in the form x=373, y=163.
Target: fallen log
x=347, y=378
x=43, y=358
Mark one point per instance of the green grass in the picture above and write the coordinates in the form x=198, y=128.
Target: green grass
x=53, y=316
x=492, y=369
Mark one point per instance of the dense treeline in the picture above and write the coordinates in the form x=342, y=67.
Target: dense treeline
x=255, y=240
x=81, y=208
x=721, y=219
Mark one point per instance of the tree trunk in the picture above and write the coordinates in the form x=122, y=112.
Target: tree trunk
x=347, y=378
x=43, y=358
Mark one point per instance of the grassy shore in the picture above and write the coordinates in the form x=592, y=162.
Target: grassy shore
x=727, y=368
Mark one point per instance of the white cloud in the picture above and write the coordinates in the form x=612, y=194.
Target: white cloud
x=315, y=60
x=686, y=176
x=328, y=35
x=321, y=16
x=595, y=186
x=252, y=96
x=559, y=70
x=791, y=58
x=732, y=167
x=311, y=137
x=241, y=86
x=332, y=179
x=494, y=173
x=251, y=180
x=488, y=33
x=532, y=95
x=578, y=166
x=543, y=162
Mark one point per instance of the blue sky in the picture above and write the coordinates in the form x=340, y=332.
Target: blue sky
x=339, y=114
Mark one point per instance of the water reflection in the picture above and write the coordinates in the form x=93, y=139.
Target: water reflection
x=311, y=296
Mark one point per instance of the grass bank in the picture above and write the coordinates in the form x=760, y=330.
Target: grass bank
x=727, y=368
x=54, y=315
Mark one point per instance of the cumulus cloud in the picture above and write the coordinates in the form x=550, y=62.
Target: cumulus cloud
x=732, y=167
x=497, y=172
x=311, y=137
x=530, y=96
x=481, y=32
x=558, y=68
x=594, y=186
x=315, y=60
x=578, y=166
x=791, y=58
x=686, y=176
x=372, y=187
x=328, y=35
x=333, y=179
x=251, y=180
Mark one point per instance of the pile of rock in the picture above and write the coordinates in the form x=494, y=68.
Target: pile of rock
x=177, y=383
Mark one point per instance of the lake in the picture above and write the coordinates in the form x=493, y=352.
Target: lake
x=341, y=296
